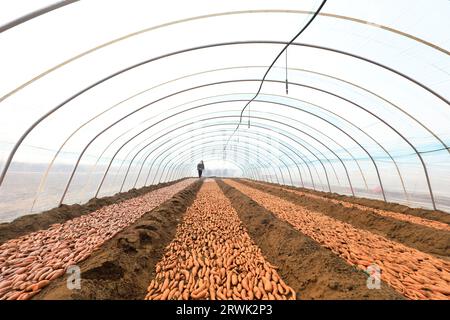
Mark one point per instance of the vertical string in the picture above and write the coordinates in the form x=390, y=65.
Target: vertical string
x=249, y=116
x=287, y=89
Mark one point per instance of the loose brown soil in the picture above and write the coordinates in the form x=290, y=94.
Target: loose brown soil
x=377, y=204
x=312, y=270
x=420, y=237
x=35, y=222
x=123, y=267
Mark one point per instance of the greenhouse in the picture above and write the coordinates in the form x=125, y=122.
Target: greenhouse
x=215, y=139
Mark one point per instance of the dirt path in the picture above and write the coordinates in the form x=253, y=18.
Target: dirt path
x=313, y=271
x=420, y=237
x=39, y=221
x=213, y=257
x=412, y=273
x=29, y=263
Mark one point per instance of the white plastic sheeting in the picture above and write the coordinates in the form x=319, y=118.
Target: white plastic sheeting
x=142, y=91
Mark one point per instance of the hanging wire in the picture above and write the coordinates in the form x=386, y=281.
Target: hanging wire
x=287, y=88
x=270, y=67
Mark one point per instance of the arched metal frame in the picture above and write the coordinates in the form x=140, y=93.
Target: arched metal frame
x=163, y=133
x=208, y=113
x=313, y=153
x=171, y=170
x=262, y=166
x=191, y=123
x=267, y=119
x=250, y=171
x=292, y=127
x=299, y=154
x=216, y=141
x=345, y=99
x=25, y=134
x=283, y=179
x=147, y=175
x=272, y=130
x=160, y=121
x=310, y=87
x=214, y=15
x=235, y=147
x=309, y=71
x=246, y=136
x=315, y=105
x=250, y=135
x=305, y=133
x=261, y=161
x=35, y=14
x=273, y=42
x=253, y=169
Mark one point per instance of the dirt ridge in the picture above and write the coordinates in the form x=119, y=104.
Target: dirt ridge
x=436, y=215
x=425, y=239
x=312, y=270
x=39, y=221
x=122, y=268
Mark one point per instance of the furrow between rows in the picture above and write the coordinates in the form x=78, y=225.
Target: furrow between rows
x=213, y=257
x=385, y=213
x=414, y=274
x=29, y=263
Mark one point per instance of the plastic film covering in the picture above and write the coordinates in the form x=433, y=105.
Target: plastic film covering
x=136, y=94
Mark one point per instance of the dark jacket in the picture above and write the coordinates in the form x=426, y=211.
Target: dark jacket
x=201, y=166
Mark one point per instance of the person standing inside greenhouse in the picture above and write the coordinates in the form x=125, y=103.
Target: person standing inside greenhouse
x=200, y=168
